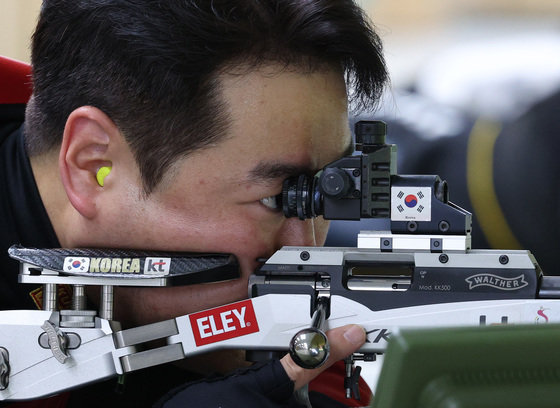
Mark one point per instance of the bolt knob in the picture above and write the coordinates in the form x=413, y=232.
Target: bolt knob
x=309, y=348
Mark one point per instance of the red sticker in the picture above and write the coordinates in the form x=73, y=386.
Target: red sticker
x=224, y=322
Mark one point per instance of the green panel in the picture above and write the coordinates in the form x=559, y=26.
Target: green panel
x=489, y=366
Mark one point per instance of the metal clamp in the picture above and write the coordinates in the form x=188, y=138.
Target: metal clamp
x=4, y=369
x=57, y=341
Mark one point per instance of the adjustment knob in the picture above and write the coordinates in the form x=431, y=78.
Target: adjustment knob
x=335, y=183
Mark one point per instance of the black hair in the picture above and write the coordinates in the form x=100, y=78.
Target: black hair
x=153, y=65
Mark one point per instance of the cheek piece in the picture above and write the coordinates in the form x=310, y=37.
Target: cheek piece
x=101, y=174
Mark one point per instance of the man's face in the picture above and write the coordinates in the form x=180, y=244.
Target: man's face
x=282, y=123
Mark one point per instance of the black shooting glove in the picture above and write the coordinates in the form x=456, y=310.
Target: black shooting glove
x=263, y=385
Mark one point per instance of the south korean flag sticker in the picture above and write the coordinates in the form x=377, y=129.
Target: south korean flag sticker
x=411, y=203
x=76, y=264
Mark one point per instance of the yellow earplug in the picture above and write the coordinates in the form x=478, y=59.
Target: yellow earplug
x=101, y=174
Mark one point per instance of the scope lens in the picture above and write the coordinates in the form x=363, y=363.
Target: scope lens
x=301, y=197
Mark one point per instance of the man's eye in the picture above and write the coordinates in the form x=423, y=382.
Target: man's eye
x=272, y=203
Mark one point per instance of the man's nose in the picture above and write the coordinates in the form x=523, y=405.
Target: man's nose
x=296, y=232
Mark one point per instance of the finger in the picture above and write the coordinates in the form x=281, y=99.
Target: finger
x=343, y=342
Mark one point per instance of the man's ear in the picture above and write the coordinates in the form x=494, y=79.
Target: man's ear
x=86, y=147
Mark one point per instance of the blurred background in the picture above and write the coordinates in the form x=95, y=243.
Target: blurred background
x=17, y=22
x=461, y=52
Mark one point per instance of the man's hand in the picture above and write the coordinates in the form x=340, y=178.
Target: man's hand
x=343, y=342
x=264, y=385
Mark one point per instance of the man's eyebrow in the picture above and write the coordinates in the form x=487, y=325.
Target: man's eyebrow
x=265, y=172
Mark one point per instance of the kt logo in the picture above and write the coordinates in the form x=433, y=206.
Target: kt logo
x=157, y=266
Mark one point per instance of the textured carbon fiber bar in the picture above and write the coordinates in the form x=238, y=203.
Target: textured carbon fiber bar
x=180, y=267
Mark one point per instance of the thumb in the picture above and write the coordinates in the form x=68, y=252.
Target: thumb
x=343, y=341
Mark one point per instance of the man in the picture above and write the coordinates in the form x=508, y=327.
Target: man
x=200, y=109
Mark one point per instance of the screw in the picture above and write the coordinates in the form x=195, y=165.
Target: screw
x=443, y=258
x=304, y=256
x=444, y=226
x=504, y=259
x=356, y=173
